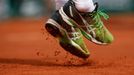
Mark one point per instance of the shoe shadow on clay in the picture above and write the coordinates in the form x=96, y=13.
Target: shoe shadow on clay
x=45, y=63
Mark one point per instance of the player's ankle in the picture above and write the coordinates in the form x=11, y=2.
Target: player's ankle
x=84, y=6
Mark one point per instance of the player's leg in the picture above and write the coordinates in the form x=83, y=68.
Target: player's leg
x=84, y=5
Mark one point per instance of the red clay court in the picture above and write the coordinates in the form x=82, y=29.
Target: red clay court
x=27, y=49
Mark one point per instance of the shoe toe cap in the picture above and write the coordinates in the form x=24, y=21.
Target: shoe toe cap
x=108, y=38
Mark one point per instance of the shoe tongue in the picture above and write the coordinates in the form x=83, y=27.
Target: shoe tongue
x=85, y=14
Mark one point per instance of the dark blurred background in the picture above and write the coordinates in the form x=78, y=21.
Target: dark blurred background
x=41, y=8
x=25, y=8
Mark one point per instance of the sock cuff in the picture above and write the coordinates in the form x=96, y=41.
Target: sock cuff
x=83, y=2
x=84, y=6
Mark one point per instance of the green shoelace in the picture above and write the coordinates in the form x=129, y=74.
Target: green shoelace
x=97, y=18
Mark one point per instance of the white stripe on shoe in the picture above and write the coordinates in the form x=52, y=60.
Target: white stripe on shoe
x=71, y=13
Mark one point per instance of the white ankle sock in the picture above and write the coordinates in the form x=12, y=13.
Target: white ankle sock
x=84, y=5
x=60, y=3
x=81, y=5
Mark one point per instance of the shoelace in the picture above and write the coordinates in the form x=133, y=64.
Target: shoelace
x=98, y=24
x=97, y=18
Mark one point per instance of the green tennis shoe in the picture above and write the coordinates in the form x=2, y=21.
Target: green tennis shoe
x=96, y=31
x=89, y=23
x=70, y=37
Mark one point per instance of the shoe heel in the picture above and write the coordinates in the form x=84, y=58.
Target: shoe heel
x=54, y=31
